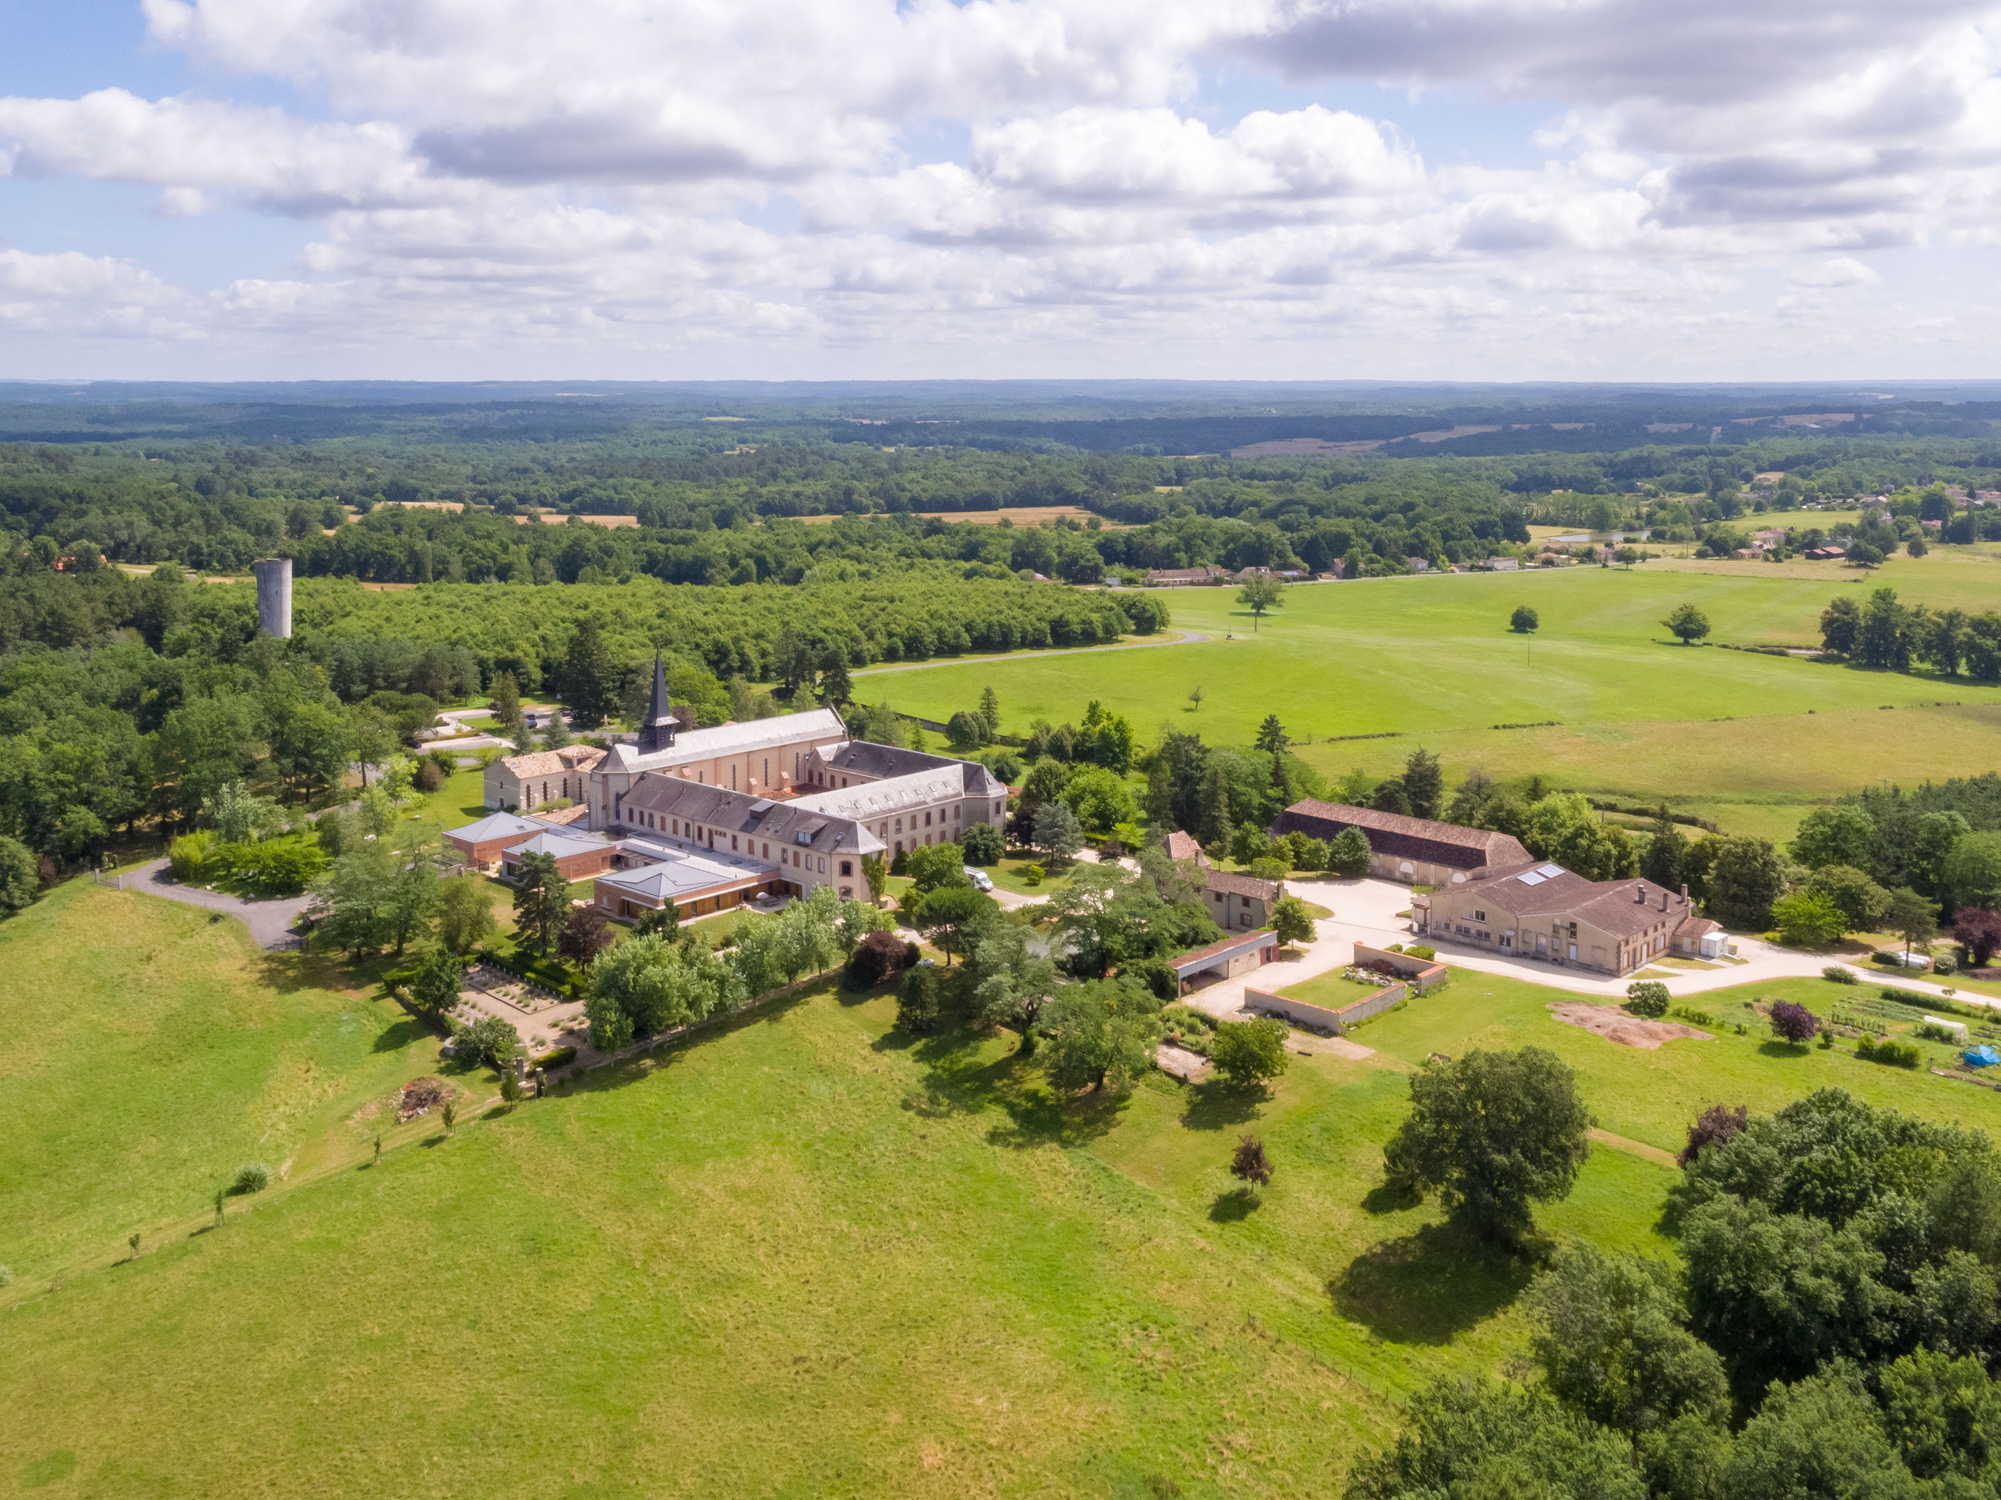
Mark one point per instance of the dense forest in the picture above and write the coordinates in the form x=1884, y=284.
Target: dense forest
x=715, y=510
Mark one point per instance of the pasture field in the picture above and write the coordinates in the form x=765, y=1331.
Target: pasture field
x=1824, y=519
x=153, y=1051
x=802, y=1255
x=1431, y=661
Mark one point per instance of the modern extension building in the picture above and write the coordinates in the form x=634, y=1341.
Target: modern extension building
x=1543, y=911
x=1417, y=851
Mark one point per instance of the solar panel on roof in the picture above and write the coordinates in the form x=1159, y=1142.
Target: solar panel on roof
x=1550, y=872
x=1533, y=877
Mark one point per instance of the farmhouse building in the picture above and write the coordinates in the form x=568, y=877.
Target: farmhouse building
x=1418, y=851
x=1546, y=912
x=1237, y=903
x=1181, y=578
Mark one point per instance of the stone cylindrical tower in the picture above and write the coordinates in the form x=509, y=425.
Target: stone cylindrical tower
x=274, y=595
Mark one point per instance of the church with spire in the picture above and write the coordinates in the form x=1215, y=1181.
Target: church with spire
x=793, y=795
x=656, y=730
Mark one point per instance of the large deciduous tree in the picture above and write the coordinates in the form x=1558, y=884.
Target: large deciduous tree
x=1494, y=1132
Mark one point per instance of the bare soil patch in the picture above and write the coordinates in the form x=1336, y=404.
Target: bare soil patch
x=1615, y=1025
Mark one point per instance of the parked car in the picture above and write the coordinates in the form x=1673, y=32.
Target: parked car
x=981, y=880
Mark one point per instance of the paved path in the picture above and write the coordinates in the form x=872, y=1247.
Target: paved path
x=270, y=922
x=446, y=739
x=1367, y=911
x=1181, y=638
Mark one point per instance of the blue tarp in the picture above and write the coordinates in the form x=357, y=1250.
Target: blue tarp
x=1983, y=1056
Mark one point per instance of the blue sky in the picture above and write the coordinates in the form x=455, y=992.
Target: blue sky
x=1486, y=189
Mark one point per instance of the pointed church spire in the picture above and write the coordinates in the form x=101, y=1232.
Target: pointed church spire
x=657, y=733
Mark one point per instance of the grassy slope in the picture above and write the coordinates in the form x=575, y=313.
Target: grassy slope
x=156, y=1050
x=1722, y=731
x=802, y=1256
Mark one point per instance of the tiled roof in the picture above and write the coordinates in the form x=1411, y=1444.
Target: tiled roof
x=1243, y=942
x=555, y=762
x=1232, y=884
x=562, y=816
x=1411, y=838
x=1620, y=907
x=1184, y=846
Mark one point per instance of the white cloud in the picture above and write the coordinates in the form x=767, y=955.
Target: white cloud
x=1002, y=180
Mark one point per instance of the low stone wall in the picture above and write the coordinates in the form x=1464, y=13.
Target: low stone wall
x=1423, y=974
x=1318, y=1017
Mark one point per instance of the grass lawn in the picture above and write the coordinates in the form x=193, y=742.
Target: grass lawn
x=156, y=1049
x=1737, y=735
x=461, y=800
x=1651, y=1096
x=1009, y=875
x=947, y=1281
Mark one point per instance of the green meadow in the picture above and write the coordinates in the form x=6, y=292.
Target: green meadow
x=1749, y=737
x=803, y=1255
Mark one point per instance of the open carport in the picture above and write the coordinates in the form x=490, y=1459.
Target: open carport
x=1225, y=960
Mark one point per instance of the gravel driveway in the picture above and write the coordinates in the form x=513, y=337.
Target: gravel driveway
x=271, y=923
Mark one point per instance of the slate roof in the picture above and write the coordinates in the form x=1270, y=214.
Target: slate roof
x=886, y=762
x=796, y=823
x=561, y=845
x=679, y=875
x=1447, y=844
x=728, y=739
x=498, y=825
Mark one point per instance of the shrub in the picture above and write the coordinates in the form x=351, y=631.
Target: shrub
x=1692, y=1016
x=878, y=956
x=1837, y=974
x=1715, y=1126
x=1931, y=1031
x=1032, y=874
x=1887, y=958
x=561, y=1057
x=1945, y=963
x=488, y=1040
x=1793, y=1022
x=251, y=1177
x=188, y=856
x=1422, y=950
x=1647, y=997
x=1891, y=1054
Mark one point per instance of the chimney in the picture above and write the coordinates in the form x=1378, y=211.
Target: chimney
x=1684, y=890
x=1640, y=893
x=1664, y=898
